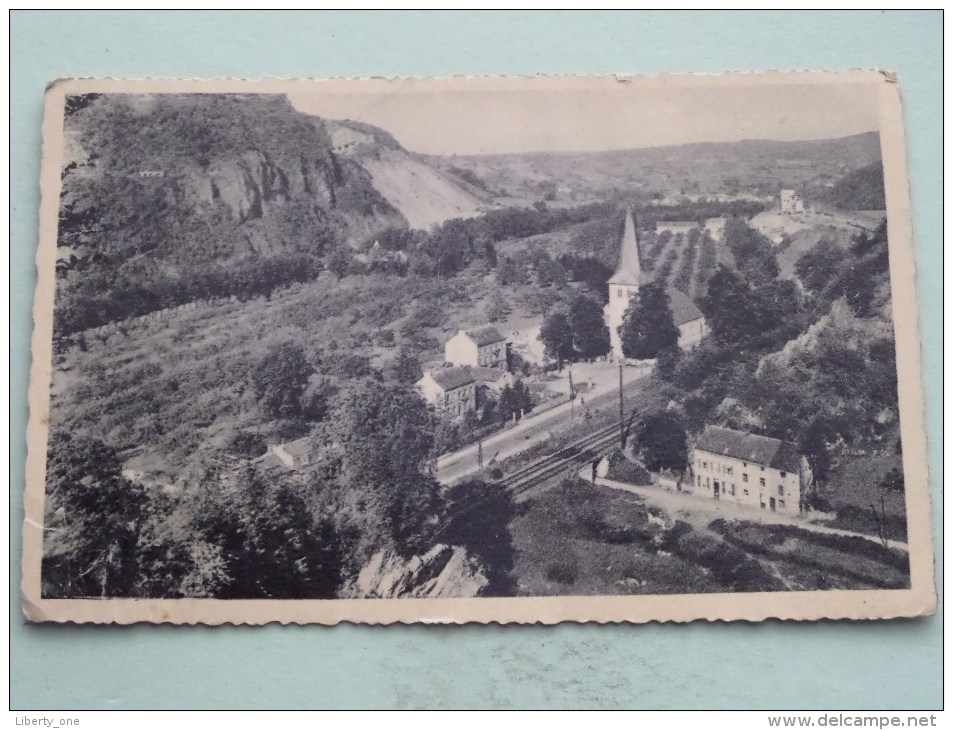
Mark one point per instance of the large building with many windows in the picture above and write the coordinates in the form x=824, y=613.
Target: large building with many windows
x=757, y=471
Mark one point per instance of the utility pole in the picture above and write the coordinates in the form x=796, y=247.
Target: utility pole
x=621, y=411
x=480, y=452
x=572, y=398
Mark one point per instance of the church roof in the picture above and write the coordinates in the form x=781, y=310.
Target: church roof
x=629, y=271
x=683, y=309
x=762, y=450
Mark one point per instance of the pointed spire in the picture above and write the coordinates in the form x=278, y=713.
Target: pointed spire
x=629, y=270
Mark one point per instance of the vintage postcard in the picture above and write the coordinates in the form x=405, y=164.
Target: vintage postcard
x=476, y=349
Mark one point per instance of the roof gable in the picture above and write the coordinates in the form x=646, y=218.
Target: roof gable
x=452, y=378
x=761, y=450
x=683, y=309
x=484, y=336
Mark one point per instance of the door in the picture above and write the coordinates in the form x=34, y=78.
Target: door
x=772, y=504
x=717, y=490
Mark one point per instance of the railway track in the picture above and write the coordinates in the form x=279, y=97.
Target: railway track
x=594, y=445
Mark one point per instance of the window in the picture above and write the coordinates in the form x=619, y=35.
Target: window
x=744, y=477
x=781, y=490
x=783, y=475
x=746, y=492
x=699, y=480
x=761, y=481
x=731, y=488
x=619, y=294
x=780, y=504
x=729, y=470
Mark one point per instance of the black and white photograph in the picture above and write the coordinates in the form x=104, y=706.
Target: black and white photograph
x=527, y=349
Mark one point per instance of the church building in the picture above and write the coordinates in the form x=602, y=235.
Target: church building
x=624, y=285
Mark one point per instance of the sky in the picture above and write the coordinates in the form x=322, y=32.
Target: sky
x=488, y=116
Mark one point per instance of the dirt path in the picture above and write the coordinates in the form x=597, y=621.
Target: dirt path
x=699, y=512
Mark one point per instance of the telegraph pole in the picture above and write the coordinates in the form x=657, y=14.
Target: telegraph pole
x=572, y=398
x=621, y=410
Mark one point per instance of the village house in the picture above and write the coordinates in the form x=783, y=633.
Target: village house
x=751, y=470
x=624, y=285
x=290, y=455
x=675, y=227
x=482, y=347
x=791, y=203
x=450, y=390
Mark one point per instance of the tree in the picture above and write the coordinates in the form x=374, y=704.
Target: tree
x=510, y=272
x=480, y=515
x=890, y=487
x=662, y=442
x=550, y=273
x=728, y=307
x=386, y=435
x=648, y=327
x=406, y=368
x=514, y=401
x=817, y=267
x=280, y=379
x=556, y=335
x=589, y=332
x=258, y=539
x=498, y=309
x=94, y=515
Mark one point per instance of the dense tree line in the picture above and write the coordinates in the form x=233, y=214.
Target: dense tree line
x=753, y=252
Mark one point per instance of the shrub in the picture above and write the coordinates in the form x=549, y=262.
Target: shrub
x=623, y=470
x=561, y=573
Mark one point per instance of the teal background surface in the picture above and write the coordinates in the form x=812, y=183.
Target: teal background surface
x=825, y=665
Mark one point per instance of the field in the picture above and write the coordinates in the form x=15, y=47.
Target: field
x=580, y=539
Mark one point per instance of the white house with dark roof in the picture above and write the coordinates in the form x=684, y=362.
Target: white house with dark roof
x=289, y=455
x=450, y=390
x=624, y=285
x=756, y=471
x=481, y=347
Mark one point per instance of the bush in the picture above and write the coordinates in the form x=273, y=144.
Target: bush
x=623, y=470
x=561, y=573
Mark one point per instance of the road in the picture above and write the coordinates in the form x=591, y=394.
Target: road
x=699, y=511
x=532, y=429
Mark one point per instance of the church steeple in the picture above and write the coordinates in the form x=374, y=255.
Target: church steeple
x=629, y=271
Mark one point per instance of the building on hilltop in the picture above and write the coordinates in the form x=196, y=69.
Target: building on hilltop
x=756, y=471
x=290, y=455
x=482, y=347
x=791, y=203
x=624, y=285
x=451, y=391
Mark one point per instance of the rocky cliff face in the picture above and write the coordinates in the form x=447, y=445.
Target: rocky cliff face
x=445, y=571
